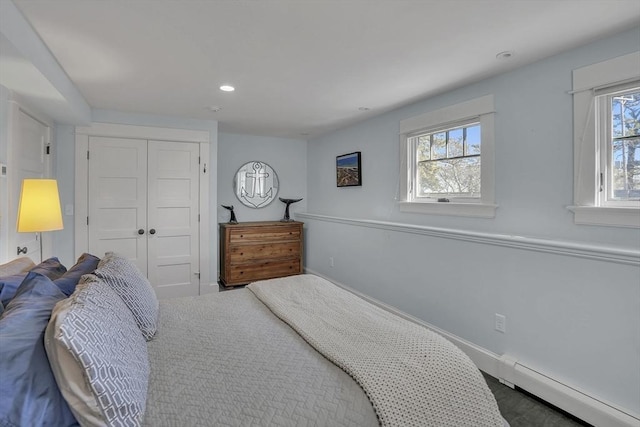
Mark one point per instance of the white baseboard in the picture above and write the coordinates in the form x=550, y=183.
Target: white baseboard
x=512, y=373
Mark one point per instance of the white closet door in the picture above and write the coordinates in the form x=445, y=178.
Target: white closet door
x=118, y=198
x=173, y=202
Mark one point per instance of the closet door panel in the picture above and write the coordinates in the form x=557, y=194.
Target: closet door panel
x=118, y=198
x=173, y=203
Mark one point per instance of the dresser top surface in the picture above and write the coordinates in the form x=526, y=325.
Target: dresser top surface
x=259, y=224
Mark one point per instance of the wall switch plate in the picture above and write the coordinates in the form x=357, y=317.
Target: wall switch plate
x=501, y=323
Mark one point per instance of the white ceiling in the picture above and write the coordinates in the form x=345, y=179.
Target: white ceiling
x=302, y=67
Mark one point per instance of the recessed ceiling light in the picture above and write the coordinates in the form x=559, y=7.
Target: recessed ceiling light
x=227, y=88
x=214, y=108
x=507, y=54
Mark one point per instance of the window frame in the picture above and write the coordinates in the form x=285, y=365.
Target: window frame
x=589, y=83
x=415, y=164
x=479, y=110
x=605, y=135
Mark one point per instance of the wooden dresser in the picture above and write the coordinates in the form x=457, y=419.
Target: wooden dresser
x=251, y=251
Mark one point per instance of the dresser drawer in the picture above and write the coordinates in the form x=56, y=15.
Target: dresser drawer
x=243, y=253
x=263, y=270
x=264, y=234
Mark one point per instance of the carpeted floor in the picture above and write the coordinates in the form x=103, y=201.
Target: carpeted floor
x=521, y=409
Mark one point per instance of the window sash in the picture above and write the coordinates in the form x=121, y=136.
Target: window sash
x=606, y=142
x=417, y=138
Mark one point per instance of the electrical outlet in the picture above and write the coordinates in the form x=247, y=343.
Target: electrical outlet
x=331, y=261
x=501, y=323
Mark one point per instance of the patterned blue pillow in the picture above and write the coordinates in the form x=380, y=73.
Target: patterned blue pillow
x=134, y=289
x=98, y=356
x=29, y=394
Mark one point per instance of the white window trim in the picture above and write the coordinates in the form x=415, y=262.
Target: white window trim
x=586, y=81
x=481, y=109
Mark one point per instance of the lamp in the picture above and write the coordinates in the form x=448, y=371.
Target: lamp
x=39, y=208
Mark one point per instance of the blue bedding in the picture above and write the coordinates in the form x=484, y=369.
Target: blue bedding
x=29, y=395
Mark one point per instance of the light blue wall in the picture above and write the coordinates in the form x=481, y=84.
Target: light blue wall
x=534, y=154
x=566, y=315
x=288, y=157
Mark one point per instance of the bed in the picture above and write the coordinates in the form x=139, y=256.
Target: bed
x=294, y=351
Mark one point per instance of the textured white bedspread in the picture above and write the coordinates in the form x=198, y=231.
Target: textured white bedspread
x=225, y=360
x=413, y=376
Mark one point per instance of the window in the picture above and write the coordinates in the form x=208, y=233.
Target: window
x=448, y=162
x=619, y=122
x=447, y=159
x=606, y=108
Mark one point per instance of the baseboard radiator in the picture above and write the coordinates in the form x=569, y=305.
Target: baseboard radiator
x=510, y=372
x=583, y=406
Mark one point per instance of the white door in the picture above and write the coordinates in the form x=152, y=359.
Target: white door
x=173, y=226
x=144, y=204
x=117, y=198
x=28, y=160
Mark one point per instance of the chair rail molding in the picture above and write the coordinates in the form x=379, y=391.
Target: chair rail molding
x=557, y=247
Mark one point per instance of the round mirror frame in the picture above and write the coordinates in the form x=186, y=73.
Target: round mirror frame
x=256, y=184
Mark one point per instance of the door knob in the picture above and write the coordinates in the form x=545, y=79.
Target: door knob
x=141, y=231
x=152, y=231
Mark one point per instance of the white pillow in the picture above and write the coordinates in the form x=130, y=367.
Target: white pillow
x=16, y=266
x=98, y=356
x=134, y=288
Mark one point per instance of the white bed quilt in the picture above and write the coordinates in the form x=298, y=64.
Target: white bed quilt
x=412, y=376
x=224, y=359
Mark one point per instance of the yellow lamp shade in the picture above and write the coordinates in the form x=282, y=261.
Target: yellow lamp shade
x=39, y=206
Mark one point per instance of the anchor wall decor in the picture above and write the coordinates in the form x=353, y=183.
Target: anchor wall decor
x=256, y=184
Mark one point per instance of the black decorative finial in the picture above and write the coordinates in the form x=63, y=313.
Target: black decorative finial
x=286, y=211
x=233, y=219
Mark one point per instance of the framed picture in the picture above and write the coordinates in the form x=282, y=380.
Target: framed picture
x=348, y=170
